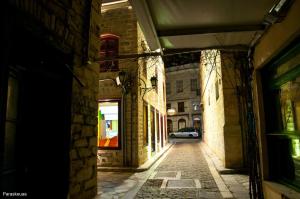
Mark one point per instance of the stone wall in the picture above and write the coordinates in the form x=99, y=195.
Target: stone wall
x=155, y=98
x=213, y=114
x=221, y=119
x=72, y=29
x=232, y=129
x=121, y=21
x=84, y=129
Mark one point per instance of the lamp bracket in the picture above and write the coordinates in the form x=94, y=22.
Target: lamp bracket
x=145, y=89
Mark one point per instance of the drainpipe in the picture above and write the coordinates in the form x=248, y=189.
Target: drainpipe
x=131, y=132
x=132, y=97
x=123, y=126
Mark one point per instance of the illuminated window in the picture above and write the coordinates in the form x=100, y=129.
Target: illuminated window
x=109, y=50
x=152, y=122
x=162, y=131
x=157, y=127
x=282, y=109
x=146, y=142
x=109, y=131
x=166, y=128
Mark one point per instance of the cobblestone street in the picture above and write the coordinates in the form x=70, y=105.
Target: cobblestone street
x=185, y=171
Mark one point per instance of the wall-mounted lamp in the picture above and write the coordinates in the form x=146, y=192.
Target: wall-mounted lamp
x=120, y=79
x=123, y=80
x=196, y=107
x=145, y=89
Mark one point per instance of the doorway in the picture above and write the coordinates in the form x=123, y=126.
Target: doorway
x=38, y=121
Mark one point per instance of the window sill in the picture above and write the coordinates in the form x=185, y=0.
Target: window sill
x=280, y=190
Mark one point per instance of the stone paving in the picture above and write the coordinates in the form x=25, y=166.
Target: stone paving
x=185, y=171
x=115, y=184
x=238, y=184
x=189, y=167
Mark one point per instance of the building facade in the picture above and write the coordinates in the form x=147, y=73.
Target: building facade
x=48, y=102
x=131, y=113
x=183, y=96
x=276, y=99
x=223, y=105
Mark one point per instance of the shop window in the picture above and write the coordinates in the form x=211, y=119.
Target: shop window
x=109, y=118
x=180, y=107
x=109, y=50
x=282, y=101
x=181, y=124
x=179, y=86
x=162, y=131
x=157, y=127
x=196, y=123
x=165, y=128
x=145, y=130
x=152, y=121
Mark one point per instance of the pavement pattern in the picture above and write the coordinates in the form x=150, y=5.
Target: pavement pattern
x=185, y=171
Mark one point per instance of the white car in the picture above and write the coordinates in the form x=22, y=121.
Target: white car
x=185, y=132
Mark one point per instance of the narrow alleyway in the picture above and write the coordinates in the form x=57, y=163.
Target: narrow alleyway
x=183, y=174
x=185, y=171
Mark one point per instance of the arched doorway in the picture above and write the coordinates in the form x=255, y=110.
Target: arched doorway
x=196, y=123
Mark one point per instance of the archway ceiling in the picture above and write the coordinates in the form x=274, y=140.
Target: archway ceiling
x=201, y=24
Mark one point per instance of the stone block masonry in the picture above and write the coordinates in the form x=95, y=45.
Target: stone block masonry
x=121, y=21
x=73, y=27
x=221, y=117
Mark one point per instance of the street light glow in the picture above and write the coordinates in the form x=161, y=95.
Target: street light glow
x=171, y=111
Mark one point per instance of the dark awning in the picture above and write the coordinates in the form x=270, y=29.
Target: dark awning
x=202, y=24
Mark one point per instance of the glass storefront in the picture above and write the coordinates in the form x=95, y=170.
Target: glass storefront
x=290, y=114
x=282, y=102
x=109, y=124
x=290, y=105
